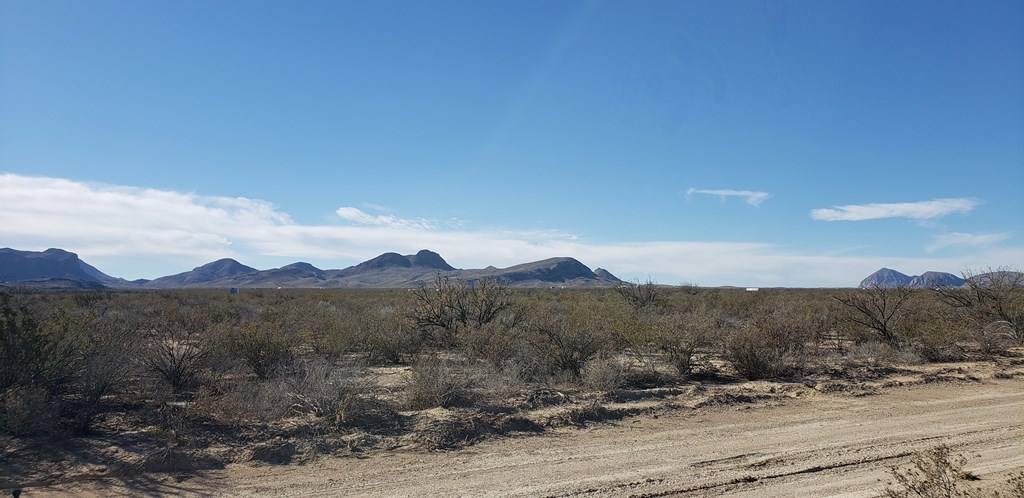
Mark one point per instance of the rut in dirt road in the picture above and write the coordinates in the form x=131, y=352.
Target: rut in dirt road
x=822, y=446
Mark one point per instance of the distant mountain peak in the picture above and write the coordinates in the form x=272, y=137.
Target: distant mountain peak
x=935, y=280
x=224, y=267
x=301, y=265
x=52, y=263
x=927, y=280
x=200, y=275
x=430, y=259
x=886, y=277
x=60, y=269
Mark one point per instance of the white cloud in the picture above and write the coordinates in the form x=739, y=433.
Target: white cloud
x=923, y=210
x=112, y=226
x=357, y=215
x=966, y=239
x=751, y=197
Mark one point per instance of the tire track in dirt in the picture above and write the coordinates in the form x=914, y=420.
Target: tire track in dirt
x=826, y=445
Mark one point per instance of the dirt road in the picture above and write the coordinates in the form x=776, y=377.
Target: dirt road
x=826, y=445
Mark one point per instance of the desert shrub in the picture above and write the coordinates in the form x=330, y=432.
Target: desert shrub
x=335, y=395
x=31, y=354
x=881, y=310
x=450, y=305
x=682, y=335
x=603, y=373
x=263, y=347
x=320, y=388
x=435, y=381
x=178, y=348
x=566, y=340
x=991, y=295
x=29, y=411
x=107, y=345
x=995, y=338
x=76, y=356
x=386, y=335
x=242, y=403
x=499, y=382
x=880, y=354
x=505, y=348
x=933, y=473
x=1015, y=485
x=932, y=333
x=770, y=344
x=325, y=326
x=638, y=332
x=641, y=296
x=939, y=345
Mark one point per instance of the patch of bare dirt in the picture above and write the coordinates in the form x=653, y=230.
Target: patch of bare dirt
x=823, y=435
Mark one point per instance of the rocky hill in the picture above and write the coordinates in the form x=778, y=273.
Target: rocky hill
x=886, y=277
x=52, y=268
x=936, y=279
x=57, y=269
x=393, y=270
x=201, y=276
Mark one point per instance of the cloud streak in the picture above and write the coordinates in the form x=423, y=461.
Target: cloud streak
x=923, y=210
x=749, y=196
x=359, y=216
x=109, y=225
x=959, y=239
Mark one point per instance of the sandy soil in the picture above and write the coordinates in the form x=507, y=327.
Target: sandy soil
x=806, y=444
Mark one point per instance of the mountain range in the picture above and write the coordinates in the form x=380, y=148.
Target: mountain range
x=886, y=277
x=60, y=269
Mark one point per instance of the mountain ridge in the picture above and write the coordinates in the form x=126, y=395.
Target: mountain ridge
x=888, y=278
x=62, y=269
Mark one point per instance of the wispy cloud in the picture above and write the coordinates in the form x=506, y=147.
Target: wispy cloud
x=359, y=216
x=966, y=240
x=923, y=210
x=110, y=226
x=750, y=197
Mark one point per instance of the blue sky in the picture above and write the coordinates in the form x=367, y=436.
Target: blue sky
x=773, y=143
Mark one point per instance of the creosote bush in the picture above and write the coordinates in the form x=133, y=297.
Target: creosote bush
x=683, y=335
x=990, y=296
x=879, y=309
x=566, y=341
x=641, y=295
x=435, y=381
x=603, y=374
x=770, y=344
x=263, y=347
x=204, y=365
x=178, y=347
x=33, y=354
x=933, y=473
x=451, y=305
x=387, y=336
